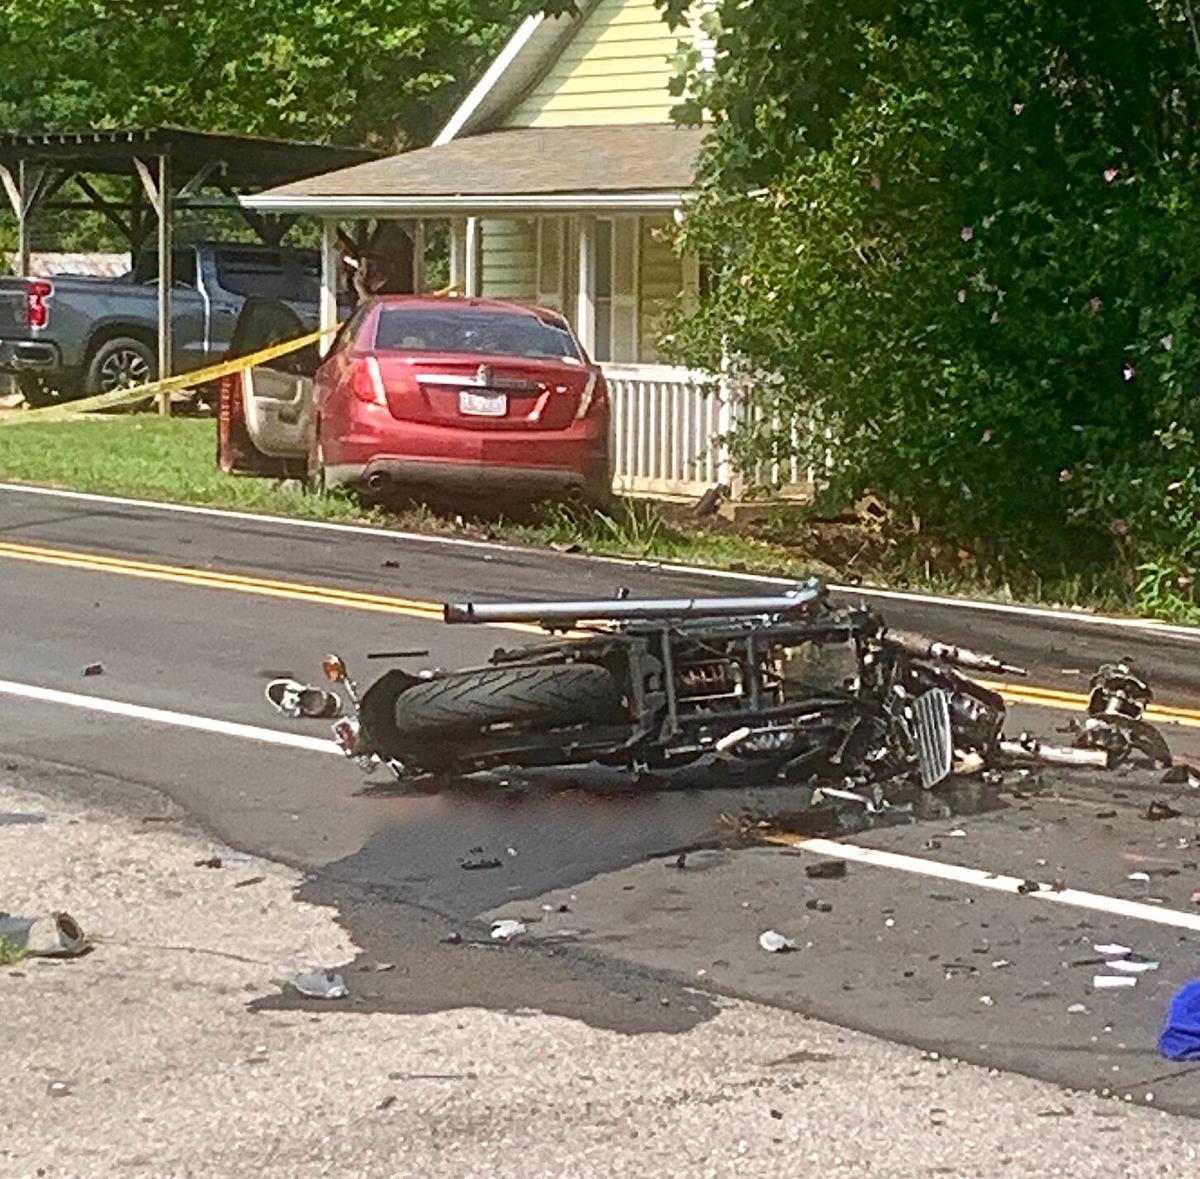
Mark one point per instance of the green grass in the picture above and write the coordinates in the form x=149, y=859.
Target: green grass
x=9, y=954
x=146, y=457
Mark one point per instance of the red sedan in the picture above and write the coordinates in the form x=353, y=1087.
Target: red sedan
x=467, y=394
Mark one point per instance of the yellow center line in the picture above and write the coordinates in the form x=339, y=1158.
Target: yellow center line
x=236, y=582
x=432, y=612
x=1078, y=701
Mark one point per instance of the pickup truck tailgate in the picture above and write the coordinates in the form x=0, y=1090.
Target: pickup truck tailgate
x=14, y=316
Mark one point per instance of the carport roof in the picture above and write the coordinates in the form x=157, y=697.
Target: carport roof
x=238, y=161
x=572, y=168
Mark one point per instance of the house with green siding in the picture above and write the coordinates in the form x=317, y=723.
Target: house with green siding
x=560, y=176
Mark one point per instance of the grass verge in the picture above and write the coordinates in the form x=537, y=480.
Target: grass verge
x=9, y=954
x=146, y=457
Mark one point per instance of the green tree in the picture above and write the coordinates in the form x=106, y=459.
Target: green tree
x=959, y=234
x=373, y=72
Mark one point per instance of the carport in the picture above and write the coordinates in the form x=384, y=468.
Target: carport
x=165, y=169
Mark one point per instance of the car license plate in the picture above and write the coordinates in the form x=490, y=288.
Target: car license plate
x=483, y=405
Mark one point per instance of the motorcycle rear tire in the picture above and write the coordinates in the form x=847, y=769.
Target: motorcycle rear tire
x=464, y=703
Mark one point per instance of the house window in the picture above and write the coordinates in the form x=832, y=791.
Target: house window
x=616, y=289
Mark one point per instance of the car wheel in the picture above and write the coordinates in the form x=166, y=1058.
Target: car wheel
x=120, y=363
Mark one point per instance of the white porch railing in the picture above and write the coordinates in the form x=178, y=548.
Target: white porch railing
x=668, y=434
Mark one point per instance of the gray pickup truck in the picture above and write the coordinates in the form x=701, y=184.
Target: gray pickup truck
x=67, y=336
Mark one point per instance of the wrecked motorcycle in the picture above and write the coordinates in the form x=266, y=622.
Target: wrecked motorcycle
x=789, y=687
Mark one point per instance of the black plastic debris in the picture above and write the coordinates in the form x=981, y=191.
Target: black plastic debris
x=826, y=870
x=1159, y=810
x=818, y=906
x=93, y=669
x=1028, y=886
x=1182, y=774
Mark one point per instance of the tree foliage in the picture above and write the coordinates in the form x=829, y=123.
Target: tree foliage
x=373, y=72
x=959, y=234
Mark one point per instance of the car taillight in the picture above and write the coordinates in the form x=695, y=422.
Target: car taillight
x=594, y=394
x=366, y=382
x=37, y=310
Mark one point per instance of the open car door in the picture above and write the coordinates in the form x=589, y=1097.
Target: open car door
x=265, y=417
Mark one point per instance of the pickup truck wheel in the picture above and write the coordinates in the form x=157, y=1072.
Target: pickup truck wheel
x=119, y=364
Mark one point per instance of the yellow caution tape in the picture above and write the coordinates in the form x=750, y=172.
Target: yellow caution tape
x=134, y=393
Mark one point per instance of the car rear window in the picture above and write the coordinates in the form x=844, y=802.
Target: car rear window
x=493, y=333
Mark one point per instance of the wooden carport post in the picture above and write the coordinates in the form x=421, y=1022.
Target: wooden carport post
x=24, y=191
x=158, y=190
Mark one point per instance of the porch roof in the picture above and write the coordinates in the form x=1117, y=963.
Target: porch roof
x=639, y=167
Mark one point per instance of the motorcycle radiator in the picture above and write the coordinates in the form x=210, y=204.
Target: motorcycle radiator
x=934, y=737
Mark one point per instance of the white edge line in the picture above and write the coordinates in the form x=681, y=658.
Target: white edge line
x=180, y=720
x=1148, y=625
x=978, y=878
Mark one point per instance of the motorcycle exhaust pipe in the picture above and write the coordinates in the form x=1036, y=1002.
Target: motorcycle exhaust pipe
x=803, y=598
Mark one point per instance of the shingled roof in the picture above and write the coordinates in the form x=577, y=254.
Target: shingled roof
x=647, y=166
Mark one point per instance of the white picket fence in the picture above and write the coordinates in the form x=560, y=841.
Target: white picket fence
x=668, y=435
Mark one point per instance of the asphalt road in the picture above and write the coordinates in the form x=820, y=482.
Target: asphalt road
x=192, y=613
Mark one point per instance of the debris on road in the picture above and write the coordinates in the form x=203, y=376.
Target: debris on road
x=775, y=943
x=1078, y=1009
x=507, y=929
x=1133, y=965
x=297, y=700
x=54, y=935
x=826, y=870
x=1112, y=950
x=477, y=861
x=1180, y=1037
x=93, y=669
x=818, y=906
x=1110, y=982
x=319, y=984
x=1159, y=810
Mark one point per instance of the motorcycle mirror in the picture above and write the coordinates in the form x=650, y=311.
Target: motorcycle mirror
x=334, y=667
